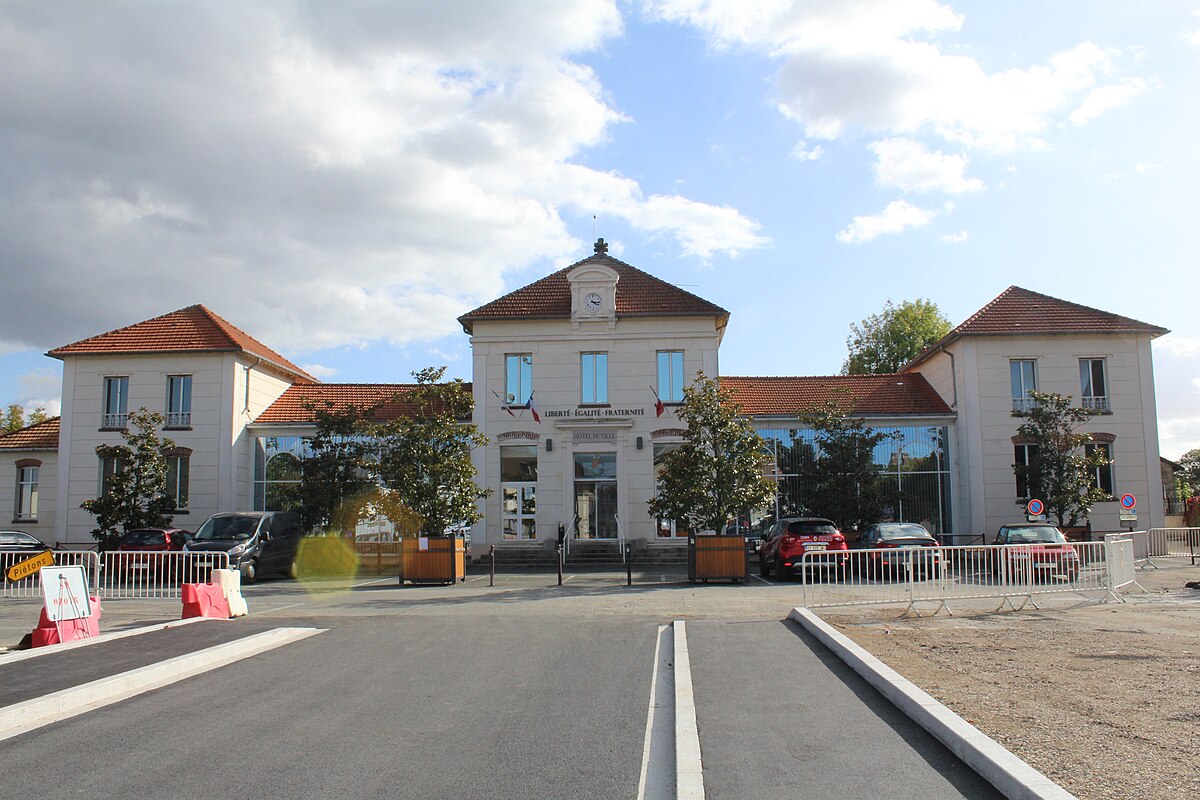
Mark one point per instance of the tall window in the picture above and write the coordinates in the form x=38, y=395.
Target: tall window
x=593, y=372
x=116, y=402
x=108, y=468
x=179, y=401
x=178, y=474
x=518, y=491
x=518, y=378
x=1102, y=477
x=27, y=492
x=670, y=376
x=1093, y=384
x=1024, y=457
x=1024, y=380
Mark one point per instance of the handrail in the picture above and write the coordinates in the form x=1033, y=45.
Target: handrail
x=620, y=536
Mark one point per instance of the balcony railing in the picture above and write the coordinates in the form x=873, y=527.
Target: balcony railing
x=1023, y=404
x=115, y=420
x=179, y=419
x=1095, y=403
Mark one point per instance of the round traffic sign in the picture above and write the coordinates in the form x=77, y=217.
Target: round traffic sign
x=1035, y=508
x=1128, y=502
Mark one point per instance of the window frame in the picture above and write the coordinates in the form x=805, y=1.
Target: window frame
x=598, y=371
x=175, y=481
x=523, y=363
x=179, y=417
x=25, y=504
x=1028, y=452
x=1088, y=398
x=669, y=384
x=115, y=418
x=1099, y=474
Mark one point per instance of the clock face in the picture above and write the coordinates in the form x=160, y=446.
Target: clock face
x=593, y=302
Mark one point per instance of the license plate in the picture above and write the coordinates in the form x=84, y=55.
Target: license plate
x=815, y=546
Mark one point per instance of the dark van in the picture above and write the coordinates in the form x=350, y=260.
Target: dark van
x=258, y=542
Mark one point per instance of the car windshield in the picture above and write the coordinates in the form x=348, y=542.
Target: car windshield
x=143, y=539
x=811, y=529
x=1035, y=535
x=903, y=532
x=227, y=529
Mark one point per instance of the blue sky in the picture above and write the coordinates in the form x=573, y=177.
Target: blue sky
x=343, y=180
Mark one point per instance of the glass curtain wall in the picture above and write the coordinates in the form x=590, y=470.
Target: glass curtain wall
x=915, y=466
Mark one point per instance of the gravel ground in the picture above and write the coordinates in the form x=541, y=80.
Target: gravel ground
x=1102, y=698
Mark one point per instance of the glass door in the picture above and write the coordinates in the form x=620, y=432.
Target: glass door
x=596, y=496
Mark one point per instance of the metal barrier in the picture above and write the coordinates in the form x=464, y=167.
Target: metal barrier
x=942, y=575
x=151, y=575
x=1172, y=543
x=31, y=586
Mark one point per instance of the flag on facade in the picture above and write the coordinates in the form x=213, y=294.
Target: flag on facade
x=503, y=404
x=659, y=408
x=533, y=409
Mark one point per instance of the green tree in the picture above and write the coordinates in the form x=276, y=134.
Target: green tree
x=339, y=467
x=136, y=495
x=1190, y=472
x=1060, y=473
x=885, y=342
x=15, y=418
x=843, y=482
x=425, y=455
x=718, y=471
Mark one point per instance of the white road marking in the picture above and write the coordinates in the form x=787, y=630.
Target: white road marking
x=476, y=578
x=761, y=578
x=372, y=583
x=32, y=714
x=689, y=769
x=277, y=608
x=657, y=780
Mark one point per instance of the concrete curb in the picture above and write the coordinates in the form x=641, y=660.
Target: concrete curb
x=22, y=655
x=1011, y=776
x=31, y=714
x=689, y=771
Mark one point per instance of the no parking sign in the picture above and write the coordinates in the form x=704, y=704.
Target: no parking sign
x=1035, y=510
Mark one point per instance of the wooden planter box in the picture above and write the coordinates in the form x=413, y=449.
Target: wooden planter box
x=717, y=557
x=444, y=562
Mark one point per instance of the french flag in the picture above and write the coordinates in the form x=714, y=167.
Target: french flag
x=503, y=404
x=533, y=409
x=659, y=408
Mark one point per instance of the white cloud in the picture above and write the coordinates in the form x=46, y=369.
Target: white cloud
x=1192, y=37
x=954, y=238
x=802, y=152
x=379, y=166
x=319, y=371
x=1106, y=98
x=907, y=165
x=41, y=388
x=897, y=217
x=878, y=65
x=1178, y=346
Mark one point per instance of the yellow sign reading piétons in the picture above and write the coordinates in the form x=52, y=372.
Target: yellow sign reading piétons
x=23, y=569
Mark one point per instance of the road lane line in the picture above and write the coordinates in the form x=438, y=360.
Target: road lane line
x=657, y=781
x=372, y=583
x=689, y=769
x=277, y=608
x=32, y=714
x=764, y=580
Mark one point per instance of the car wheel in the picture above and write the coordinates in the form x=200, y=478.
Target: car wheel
x=249, y=571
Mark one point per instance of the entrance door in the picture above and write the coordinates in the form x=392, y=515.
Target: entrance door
x=596, y=495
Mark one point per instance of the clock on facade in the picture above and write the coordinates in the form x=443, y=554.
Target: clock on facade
x=593, y=302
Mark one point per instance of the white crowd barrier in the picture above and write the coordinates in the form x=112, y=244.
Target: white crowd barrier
x=31, y=586
x=938, y=576
x=124, y=574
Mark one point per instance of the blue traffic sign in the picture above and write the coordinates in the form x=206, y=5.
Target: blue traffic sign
x=1128, y=501
x=1035, y=508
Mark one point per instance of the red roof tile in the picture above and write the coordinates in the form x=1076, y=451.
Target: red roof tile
x=1020, y=312
x=638, y=294
x=194, y=329
x=41, y=436
x=867, y=395
x=292, y=406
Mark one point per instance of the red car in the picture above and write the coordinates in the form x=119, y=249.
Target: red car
x=1043, y=553
x=785, y=544
x=139, y=548
x=897, y=547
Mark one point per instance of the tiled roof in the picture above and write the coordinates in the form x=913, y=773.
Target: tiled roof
x=41, y=436
x=292, y=405
x=1020, y=312
x=868, y=395
x=194, y=329
x=638, y=294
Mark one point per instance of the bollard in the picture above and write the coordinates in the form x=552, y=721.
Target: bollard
x=558, y=548
x=492, y=573
x=628, y=565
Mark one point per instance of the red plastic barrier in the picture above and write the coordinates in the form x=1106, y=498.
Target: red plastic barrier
x=204, y=600
x=48, y=632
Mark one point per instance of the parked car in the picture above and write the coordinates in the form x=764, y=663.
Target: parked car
x=21, y=542
x=144, y=548
x=787, y=541
x=1045, y=552
x=258, y=542
x=894, y=546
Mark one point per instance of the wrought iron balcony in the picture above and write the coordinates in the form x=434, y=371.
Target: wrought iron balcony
x=1095, y=403
x=179, y=419
x=115, y=421
x=1023, y=404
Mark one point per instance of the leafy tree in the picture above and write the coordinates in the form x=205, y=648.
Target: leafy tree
x=1190, y=472
x=717, y=472
x=885, y=342
x=425, y=456
x=1060, y=472
x=14, y=418
x=136, y=495
x=339, y=467
x=842, y=481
